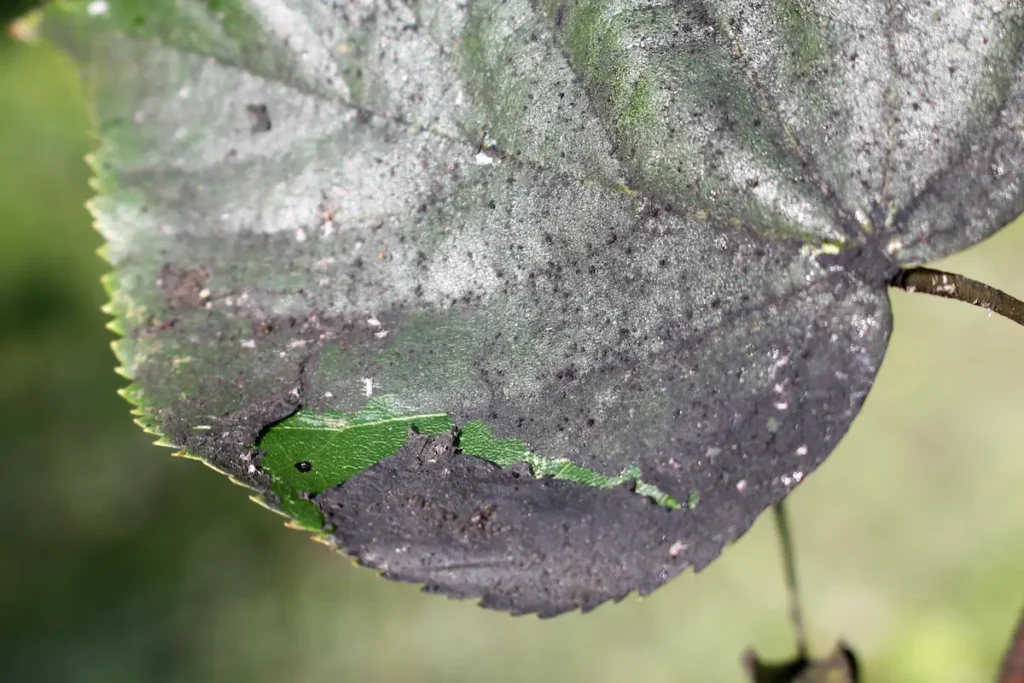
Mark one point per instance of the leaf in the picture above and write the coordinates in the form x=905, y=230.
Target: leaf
x=642, y=246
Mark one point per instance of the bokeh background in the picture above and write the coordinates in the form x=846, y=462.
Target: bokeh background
x=120, y=563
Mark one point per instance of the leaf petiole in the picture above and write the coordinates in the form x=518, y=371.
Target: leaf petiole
x=954, y=286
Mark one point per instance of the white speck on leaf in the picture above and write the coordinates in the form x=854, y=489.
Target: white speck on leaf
x=801, y=451
x=300, y=235
x=372, y=321
x=248, y=344
x=97, y=8
x=677, y=548
x=482, y=159
x=741, y=485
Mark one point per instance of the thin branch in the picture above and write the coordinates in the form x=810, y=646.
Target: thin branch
x=953, y=286
x=1013, y=662
x=796, y=613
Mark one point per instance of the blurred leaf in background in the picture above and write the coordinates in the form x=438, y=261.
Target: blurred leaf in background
x=120, y=563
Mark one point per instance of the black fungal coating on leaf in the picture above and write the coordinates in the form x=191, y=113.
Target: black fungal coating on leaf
x=865, y=262
x=228, y=443
x=469, y=529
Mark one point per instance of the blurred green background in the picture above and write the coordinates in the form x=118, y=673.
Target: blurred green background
x=120, y=563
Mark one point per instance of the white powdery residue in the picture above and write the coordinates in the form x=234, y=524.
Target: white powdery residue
x=372, y=321
x=328, y=394
x=946, y=287
x=781, y=405
x=368, y=386
x=864, y=325
x=328, y=228
x=248, y=344
x=677, y=548
x=797, y=476
x=741, y=485
x=381, y=334
x=300, y=236
x=775, y=192
x=862, y=217
x=459, y=277
x=316, y=63
x=482, y=159
x=801, y=451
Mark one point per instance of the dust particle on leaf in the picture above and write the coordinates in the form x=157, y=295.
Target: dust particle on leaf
x=259, y=115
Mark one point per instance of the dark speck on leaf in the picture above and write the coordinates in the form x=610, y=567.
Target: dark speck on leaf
x=259, y=116
x=304, y=466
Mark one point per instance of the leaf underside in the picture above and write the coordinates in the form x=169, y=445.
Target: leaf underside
x=638, y=250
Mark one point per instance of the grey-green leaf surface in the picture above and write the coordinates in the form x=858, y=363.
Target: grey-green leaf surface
x=649, y=241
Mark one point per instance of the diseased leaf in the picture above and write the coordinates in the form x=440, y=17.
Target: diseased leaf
x=639, y=250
